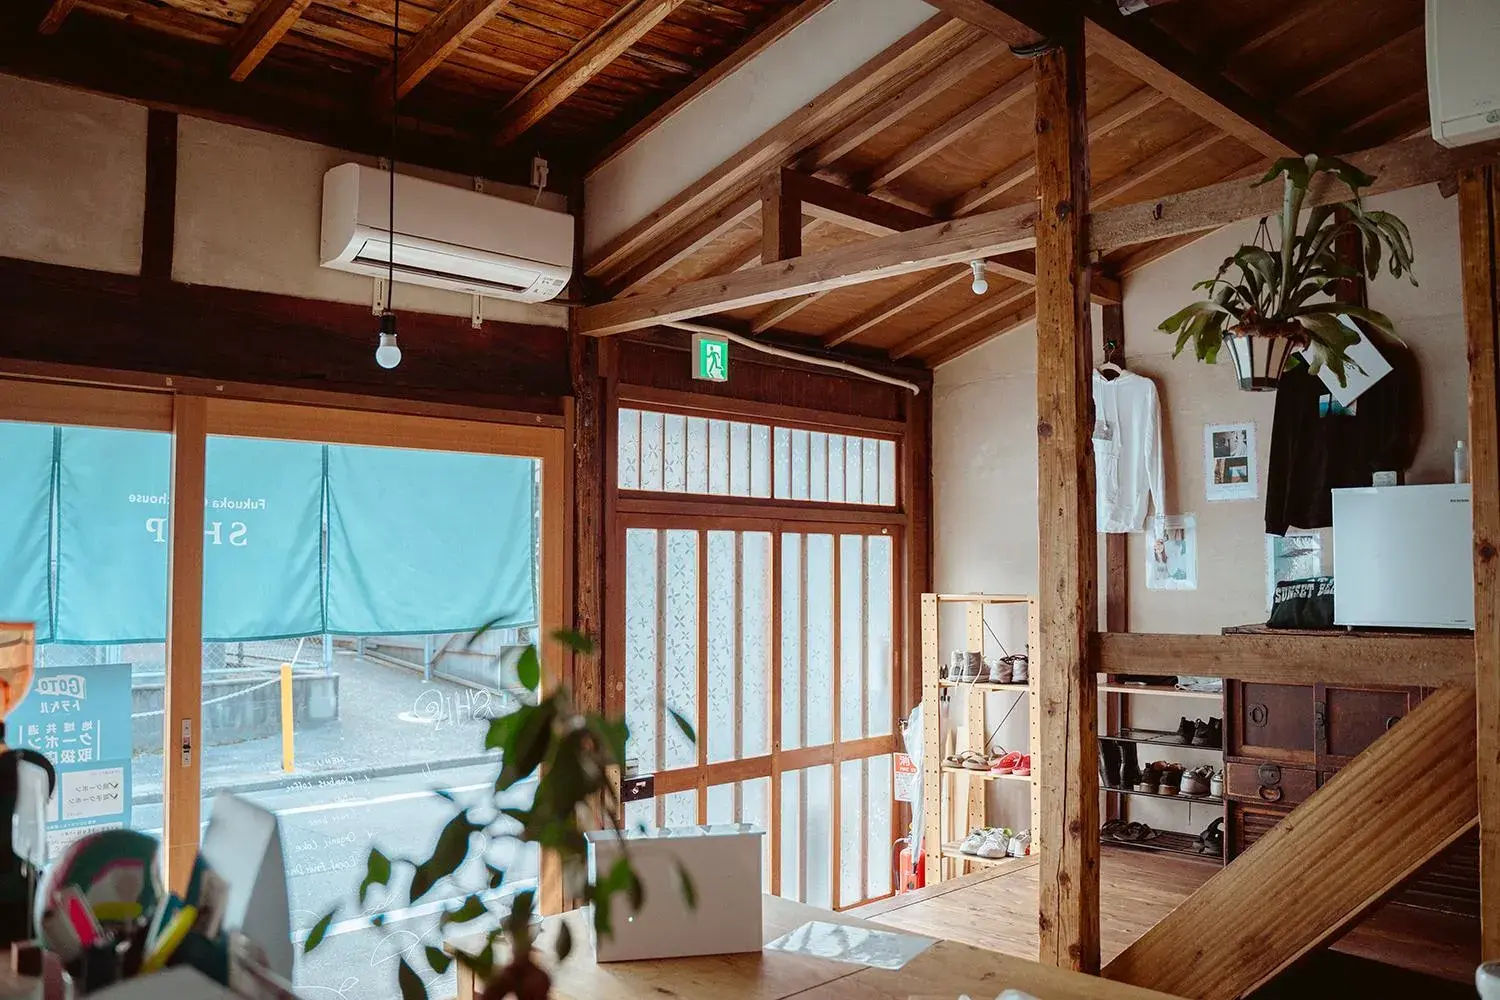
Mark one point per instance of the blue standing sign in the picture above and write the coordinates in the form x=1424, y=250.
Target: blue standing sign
x=79, y=719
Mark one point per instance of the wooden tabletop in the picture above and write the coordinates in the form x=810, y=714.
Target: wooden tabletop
x=945, y=969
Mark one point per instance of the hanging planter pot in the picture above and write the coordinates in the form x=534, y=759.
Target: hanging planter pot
x=1268, y=297
x=1261, y=352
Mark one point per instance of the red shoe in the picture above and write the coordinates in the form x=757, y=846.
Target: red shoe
x=1007, y=764
x=1024, y=767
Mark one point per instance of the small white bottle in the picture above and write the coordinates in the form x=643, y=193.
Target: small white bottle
x=1460, y=462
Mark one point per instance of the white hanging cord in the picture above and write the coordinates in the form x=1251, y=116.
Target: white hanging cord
x=808, y=359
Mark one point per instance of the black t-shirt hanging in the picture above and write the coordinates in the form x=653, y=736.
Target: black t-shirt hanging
x=1318, y=446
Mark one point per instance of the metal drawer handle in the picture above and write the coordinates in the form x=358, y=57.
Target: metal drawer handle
x=1391, y=720
x=1270, y=794
x=1269, y=774
x=1258, y=715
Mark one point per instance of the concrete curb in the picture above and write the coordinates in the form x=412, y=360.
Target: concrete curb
x=386, y=771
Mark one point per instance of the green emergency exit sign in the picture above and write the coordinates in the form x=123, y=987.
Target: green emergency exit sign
x=710, y=357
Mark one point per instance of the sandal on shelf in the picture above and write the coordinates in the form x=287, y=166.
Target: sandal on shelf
x=1024, y=767
x=966, y=759
x=976, y=761
x=1006, y=764
x=1134, y=833
x=1108, y=830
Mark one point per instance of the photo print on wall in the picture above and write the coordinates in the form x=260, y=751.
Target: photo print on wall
x=1229, y=469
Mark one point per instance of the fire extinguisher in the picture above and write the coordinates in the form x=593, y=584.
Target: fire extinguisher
x=909, y=872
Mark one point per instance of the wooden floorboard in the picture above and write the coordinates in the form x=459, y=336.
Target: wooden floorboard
x=997, y=910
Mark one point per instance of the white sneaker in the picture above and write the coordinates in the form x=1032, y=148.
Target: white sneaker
x=1020, y=844
x=995, y=844
x=973, y=841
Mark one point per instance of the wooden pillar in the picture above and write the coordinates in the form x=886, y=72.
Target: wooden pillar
x=183, y=706
x=1479, y=219
x=916, y=476
x=159, y=224
x=780, y=220
x=1067, y=595
x=588, y=519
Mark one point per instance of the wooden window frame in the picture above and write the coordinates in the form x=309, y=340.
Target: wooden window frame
x=191, y=419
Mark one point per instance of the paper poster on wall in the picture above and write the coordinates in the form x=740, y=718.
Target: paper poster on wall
x=1172, y=552
x=1229, y=471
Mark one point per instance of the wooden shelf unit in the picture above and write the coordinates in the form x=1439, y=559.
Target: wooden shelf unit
x=949, y=791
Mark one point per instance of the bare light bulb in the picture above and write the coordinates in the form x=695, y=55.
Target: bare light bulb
x=387, y=355
x=981, y=284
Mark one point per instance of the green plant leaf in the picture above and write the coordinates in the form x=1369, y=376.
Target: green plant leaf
x=529, y=669
x=529, y=748
x=576, y=641
x=447, y=855
x=564, y=941
x=412, y=987
x=502, y=730
x=437, y=959
x=684, y=725
x=689, y=891
x=472, y=908
x=377, y=872
x=612, y=736
x=319, y=931
x=1378, y=320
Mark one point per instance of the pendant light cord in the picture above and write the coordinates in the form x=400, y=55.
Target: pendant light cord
x=390, y=265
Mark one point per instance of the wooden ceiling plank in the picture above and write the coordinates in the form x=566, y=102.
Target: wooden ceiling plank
x=987, y=306
x=56, y=14
x=1156, y=59
x=980, y=51
x=1397, y=165
x=740, y=173
x=267, y=26
x=963, y=345
x=1122, y=112
x=1015, y=24
x=1312, y=10
x=880, y=312
x=954, y=242
x=1156, y=164
x=950, y=131
x=703, y=231
x=849, y=208
x=1350, y=65
x=564, y=78
x=436, y=42
x=781, y=311
x=762, y=39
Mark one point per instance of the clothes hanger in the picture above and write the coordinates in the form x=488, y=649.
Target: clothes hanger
x=1110, y=371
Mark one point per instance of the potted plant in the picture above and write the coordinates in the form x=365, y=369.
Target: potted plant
x=574, y=756
x=1271, y=305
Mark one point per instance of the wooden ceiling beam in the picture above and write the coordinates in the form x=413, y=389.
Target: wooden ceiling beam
x=57, y=13
x=564, y=78
x=702, y=232
x=987, y=306
x=1161, y=62
x=922, y=249
x=893, y=68
x=849, y=208
x=1021, y=24
x=1346, y=66
x=266, y=26
x=430, y=49
x=979, y=51
x=763, y=39
x=974, y=116
x=1122, y=112
x=972, y=341
x=1397, y=165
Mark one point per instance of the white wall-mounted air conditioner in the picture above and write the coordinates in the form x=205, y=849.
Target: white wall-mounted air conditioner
x=447, y=237
x=1463, y=70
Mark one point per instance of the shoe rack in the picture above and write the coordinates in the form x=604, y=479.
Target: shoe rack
x=954, y=798
x=1156, y=744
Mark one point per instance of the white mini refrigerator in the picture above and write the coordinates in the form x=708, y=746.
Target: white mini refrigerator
x=1403, y=557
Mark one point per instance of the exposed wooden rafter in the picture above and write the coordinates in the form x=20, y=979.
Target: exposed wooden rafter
x=961, y=345
x=1156, y=59
x=778, y=29
x=899, y=64
x=929, y=286
x=57, y=13
x=267, y=26
x=439, y=40
x=564, y=78
x=1020, y=24
x=985, y=307
x=1263, y=920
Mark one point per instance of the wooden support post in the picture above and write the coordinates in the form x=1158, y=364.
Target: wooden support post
x=780, y=219
x=1067, y=563
x=158, y=226
x=588, y=519
x=1479, y=235
x=184, y=692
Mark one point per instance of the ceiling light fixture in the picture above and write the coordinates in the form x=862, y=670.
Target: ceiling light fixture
x=981, y=283
x=387, y=353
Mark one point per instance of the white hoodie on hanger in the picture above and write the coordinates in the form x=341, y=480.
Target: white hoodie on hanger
x=1127, y=451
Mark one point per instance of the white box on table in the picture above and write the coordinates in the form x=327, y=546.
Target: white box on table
x=724, y=863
